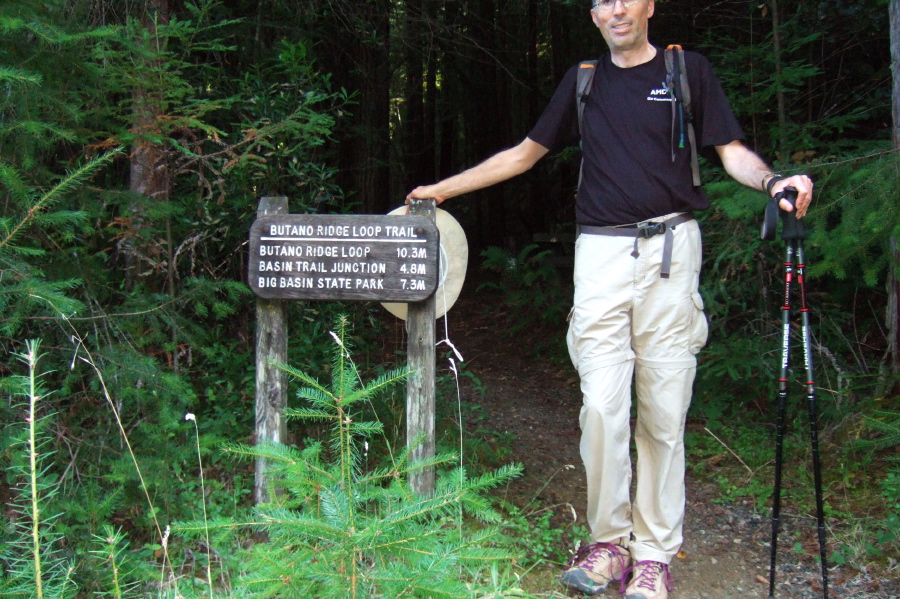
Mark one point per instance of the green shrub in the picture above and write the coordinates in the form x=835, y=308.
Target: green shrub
x=335, y=530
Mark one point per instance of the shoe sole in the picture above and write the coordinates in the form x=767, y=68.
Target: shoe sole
x=578, y=579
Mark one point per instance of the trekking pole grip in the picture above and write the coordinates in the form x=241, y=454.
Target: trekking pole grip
x=793, y=228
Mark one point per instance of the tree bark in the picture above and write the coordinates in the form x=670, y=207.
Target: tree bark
x=895, y=67
x=366, y=159
x=893, y=285
x=487, y=111
x=414, y=102
x=782, y=111
x=149, y=172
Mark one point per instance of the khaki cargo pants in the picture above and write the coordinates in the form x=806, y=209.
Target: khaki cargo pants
x=628, y=322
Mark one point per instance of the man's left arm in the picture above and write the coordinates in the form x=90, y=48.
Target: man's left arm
x=747, y=168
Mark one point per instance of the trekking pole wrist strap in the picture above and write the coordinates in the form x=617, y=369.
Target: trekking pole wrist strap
x=773, y=178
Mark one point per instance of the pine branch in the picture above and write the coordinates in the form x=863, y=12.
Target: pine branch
x=69, y=183
x=384, y=381
x=12, y=75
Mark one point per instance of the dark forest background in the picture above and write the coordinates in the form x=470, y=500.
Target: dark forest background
x=136, y=138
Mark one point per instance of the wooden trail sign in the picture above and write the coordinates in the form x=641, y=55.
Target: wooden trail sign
x=344, y=257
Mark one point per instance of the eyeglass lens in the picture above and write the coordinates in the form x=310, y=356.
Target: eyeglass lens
x=609, y=4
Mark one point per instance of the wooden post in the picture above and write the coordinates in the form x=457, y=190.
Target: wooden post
x=271, y=383
x=420, y=352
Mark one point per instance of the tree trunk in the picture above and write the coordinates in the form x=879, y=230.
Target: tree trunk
x=149, y=169
x=429, y=168
x=782, y=113
x=414, y=101
x=149, y=174
x=895, y=67
x=486, y=118
x=369, y=159
x=448, y=162
x=893, y=286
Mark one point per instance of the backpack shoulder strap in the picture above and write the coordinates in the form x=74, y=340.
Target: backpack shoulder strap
x=586, y=70
x=680, y=91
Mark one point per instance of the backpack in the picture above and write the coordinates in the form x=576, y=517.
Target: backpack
x=679, y=91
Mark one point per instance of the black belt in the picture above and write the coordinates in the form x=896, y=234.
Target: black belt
x=645, y=230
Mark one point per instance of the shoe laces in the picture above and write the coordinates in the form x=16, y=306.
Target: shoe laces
x=590, y=555
x=648, y=571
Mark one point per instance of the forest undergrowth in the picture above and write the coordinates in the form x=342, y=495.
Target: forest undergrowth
x=205, y=538
x=136, y=140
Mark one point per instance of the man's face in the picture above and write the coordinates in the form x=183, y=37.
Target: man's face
x=623, y=28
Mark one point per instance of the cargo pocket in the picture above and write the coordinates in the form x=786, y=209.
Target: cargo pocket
x=699, y=326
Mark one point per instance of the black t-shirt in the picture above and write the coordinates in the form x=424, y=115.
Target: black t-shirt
x=629, y=174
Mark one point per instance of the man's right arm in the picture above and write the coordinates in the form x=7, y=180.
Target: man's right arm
x=499, y=167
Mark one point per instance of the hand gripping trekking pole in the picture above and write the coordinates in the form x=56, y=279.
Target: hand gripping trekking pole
x=793, y=234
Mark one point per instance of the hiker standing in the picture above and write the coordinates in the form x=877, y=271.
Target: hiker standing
x=637, y=311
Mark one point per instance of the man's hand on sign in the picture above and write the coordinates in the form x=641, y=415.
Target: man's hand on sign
x=424, y=192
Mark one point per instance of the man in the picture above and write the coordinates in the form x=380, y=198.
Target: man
x=637, y=311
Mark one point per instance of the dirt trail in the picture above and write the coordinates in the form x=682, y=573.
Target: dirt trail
x=726, y=549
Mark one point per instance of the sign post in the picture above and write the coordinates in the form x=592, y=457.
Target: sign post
x=346, y=257
x=271, y=346
x=420, y=347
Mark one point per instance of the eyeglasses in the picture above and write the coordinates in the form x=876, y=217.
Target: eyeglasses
x=608, y=5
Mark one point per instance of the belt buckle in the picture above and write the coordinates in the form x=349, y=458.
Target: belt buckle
x=648, y=230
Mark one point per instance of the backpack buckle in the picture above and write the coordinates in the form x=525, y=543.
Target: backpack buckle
x=648, y=230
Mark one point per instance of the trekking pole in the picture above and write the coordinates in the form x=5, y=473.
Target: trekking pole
x=793, y=234
x=813, y=417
